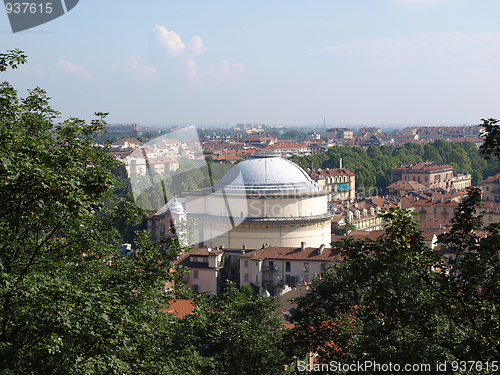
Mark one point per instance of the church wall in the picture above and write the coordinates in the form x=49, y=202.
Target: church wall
x=253, y=238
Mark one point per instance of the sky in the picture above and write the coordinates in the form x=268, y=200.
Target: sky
x=280, y=62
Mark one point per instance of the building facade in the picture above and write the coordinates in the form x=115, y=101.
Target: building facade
x=264, y=199
x=430, y=174
x=339, y=182
x=205, y=266
x=491, y=189
x=273, y=268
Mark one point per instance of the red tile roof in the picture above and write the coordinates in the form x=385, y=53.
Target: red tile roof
x=180, y=308
x=291, y=253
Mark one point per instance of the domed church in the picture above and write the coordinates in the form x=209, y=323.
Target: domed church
x=263, y=200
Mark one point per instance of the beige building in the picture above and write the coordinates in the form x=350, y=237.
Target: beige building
x=430, y=174
x=339, y=182
x=273, y=269
x=365, y=214
x=339, y=133
x=461, y=181
x=205, y=265
x=264, y=199
x=431, y=208
x=491, y=189
x=490, y=212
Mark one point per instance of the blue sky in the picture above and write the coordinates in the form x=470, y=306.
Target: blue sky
x=280, y=62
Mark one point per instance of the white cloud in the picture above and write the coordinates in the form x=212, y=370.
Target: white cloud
x=196, y=46
x=71, y=69
x=175, y=48
x=137, y=70
x=226, y=71
x=170, y=40
x=192, y=68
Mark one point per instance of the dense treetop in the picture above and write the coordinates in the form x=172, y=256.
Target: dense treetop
x=373, y=166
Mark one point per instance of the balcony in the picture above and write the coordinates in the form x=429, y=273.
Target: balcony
x=270, y=269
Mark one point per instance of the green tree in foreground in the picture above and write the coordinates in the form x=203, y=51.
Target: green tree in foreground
x=398, y=301
x=235, y=333
x=67, y=305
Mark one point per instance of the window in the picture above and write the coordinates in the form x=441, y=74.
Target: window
x=271, y=264
x=287, y=278
x=196, y=288
x=195, y=274
x=246, y=277
x=246, y=263
x=435, y=210
x=487, y=188
x=426, y=178
x=287, y=267
x=256, y=278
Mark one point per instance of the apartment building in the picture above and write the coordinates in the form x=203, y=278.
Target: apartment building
x=273, y=269
x=340, y=183
x=430, y=174
x=491, y=189
x=204, y=266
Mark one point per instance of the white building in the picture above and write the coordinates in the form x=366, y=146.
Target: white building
x=264, y=199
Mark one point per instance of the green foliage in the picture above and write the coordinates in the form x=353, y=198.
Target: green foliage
x=67, y=304
x=235, y=333
x=397, y=300
x=491, y=146
x=373, y=166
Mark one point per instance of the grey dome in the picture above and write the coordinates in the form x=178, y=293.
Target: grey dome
x=267, y=173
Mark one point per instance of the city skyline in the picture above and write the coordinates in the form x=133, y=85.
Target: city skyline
x=380, y=62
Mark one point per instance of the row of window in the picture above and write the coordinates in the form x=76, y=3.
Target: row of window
x=288, y=278
x=271, y=265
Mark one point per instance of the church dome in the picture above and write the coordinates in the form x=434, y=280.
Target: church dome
x=267, y=173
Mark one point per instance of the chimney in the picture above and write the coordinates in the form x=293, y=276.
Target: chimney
x=244, y=247
x=321, y=249
x=302, y=246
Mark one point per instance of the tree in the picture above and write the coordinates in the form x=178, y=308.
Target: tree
x=235, y=333
x=68, y=302
x=397, y=300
